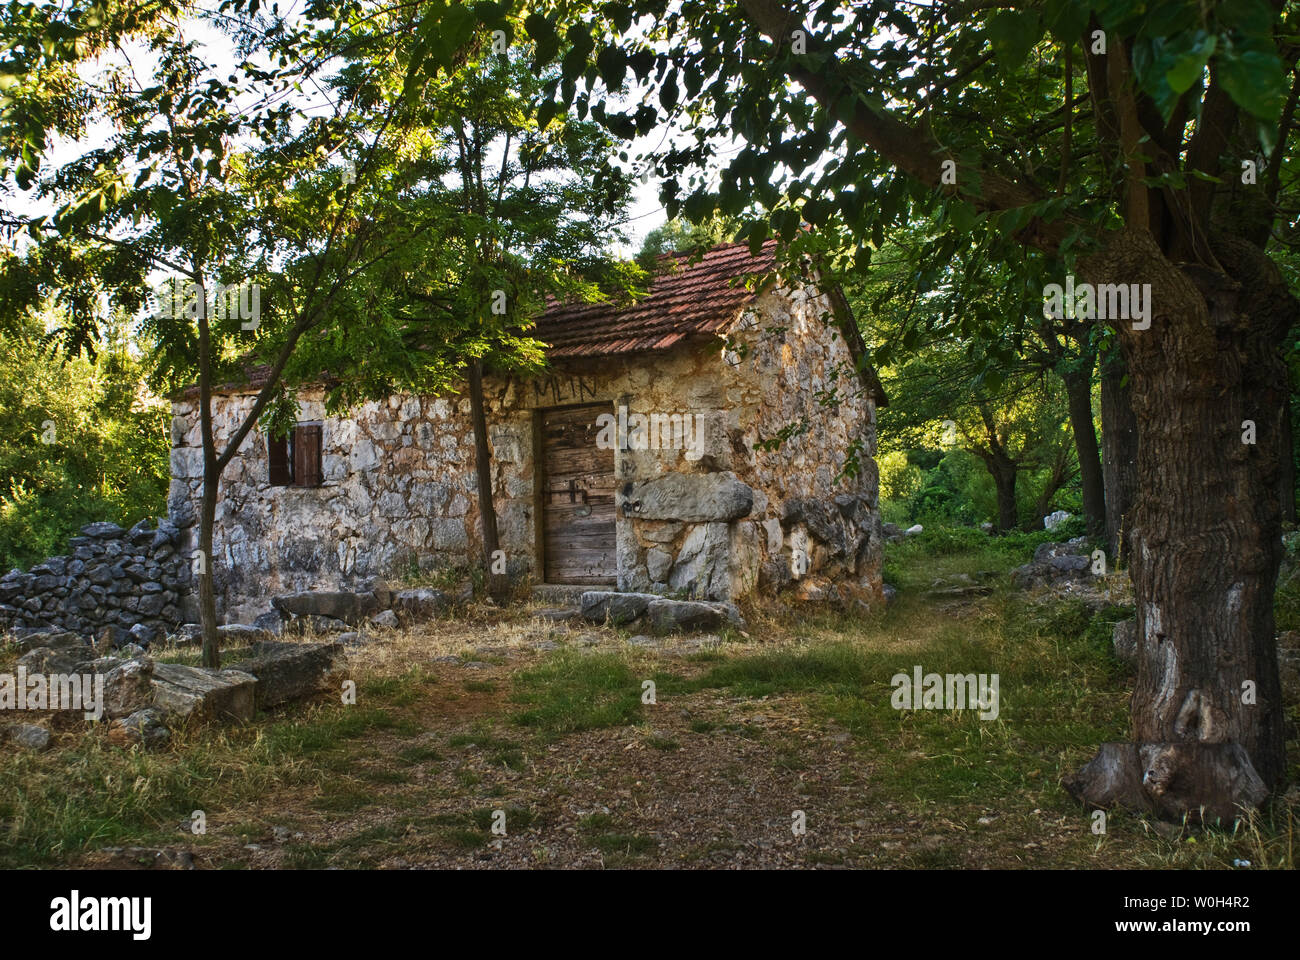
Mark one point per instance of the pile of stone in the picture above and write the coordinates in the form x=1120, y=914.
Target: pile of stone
x=1054, y=564
x=662, y=614
x=143, y=698
x=129, y=584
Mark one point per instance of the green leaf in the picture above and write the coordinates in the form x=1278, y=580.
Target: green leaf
x=1013, y=33
x=543, y=34
x=612, y=64
x=1191, y=66
x=1066, y=19
x=1256, y=81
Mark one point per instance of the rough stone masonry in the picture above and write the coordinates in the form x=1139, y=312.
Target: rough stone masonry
x=133, y=583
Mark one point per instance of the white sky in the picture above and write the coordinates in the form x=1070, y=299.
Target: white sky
x=644, y=212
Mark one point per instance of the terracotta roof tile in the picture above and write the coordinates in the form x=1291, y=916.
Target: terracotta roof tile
x=685, y=299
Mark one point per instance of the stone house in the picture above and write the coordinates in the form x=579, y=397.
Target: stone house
x=637, y=461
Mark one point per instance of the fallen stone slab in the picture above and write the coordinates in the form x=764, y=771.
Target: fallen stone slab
x=343, y=605
x=181, y=691
x=667, y=616
x=44, y=660
x=53, y=639
x=423, y=603
x=291, y=671
x=599, y=606
x=128, y=688
x=949, y=593
x=241, y=634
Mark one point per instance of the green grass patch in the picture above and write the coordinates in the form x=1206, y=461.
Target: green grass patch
x=570, y=692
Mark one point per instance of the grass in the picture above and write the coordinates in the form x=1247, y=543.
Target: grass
x=570, y=692
x=961, y=791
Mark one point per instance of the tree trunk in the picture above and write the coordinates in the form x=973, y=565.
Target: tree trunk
x=1078, y=388
x=1004, y=480
x=498, y=586
x=207, y=595
x=1207, y=719
x=1286, y=464
x=1119, y=437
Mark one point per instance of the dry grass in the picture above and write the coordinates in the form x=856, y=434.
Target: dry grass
x=498, y=710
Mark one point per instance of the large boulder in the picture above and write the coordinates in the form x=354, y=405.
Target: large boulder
x=271, y=622
x=601, y=605
x=694, y=497
x=420, y=604
x=181, y=691
x=687, y=615
x=342, y=605
x=128, y=688
x=291, y=671
x=1054, y=564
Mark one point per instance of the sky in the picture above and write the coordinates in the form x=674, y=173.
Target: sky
x=645, y=213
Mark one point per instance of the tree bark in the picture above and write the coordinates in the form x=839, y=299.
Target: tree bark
x=1206, y=535
x=207, y=595
x=1004, y=481
x=1078, y=389
x=1119, y=437
x=1286, y=464
x=498, y=585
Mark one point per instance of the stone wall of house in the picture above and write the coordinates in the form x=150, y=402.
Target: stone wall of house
x=743, y=516
x=132, y=583
x=695, y=519
x=816, y=524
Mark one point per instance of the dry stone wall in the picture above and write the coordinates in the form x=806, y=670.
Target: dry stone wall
x=134, y=584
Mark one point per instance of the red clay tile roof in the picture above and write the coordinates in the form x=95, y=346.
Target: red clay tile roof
x=686, y=299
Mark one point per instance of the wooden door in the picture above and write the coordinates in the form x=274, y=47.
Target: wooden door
x=577, y=498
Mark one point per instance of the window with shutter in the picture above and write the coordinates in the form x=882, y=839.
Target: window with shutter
x=307, y=455
x=277, y=450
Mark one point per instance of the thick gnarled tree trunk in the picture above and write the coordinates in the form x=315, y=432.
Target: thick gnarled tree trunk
x=1206, y=538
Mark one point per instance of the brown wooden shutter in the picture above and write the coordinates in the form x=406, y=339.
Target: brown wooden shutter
x=306, y=455
x=277, y=451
